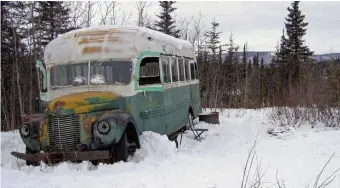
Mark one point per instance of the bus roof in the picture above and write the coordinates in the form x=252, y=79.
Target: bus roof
x=111, y=41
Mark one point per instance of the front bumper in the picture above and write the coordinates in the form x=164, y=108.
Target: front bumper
x=55, y=157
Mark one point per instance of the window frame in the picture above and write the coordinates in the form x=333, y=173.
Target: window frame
x=183, y=69
x=160, y=67
x=71, y=66
x=187, y=69
x=176, y=65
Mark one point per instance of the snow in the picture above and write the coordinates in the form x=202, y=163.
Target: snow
x=217, y=161
x=97, y=79
x=80, y=80
x=179, y=43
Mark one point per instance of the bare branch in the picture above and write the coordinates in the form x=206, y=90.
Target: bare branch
x=77, y=12
x=141, y=7
x=199, y=29
x=105, y=9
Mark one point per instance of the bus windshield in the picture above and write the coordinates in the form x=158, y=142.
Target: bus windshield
x=106, y=73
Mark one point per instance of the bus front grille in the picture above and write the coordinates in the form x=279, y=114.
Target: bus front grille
x=64, y=132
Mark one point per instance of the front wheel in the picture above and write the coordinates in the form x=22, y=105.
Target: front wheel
x=121, y=149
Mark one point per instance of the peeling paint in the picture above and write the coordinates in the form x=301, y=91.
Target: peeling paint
x=87, y=123
x=44, y=137
x=91, y=40
x=92, y=49
x=99, y=32
x=113, y=39
x=84, y=102
x=129, y=108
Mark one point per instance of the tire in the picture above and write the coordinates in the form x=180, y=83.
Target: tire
x=28, y=151
x=121, y=149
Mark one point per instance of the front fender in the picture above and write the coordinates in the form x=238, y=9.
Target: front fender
x=32, y=140
x=118, y=120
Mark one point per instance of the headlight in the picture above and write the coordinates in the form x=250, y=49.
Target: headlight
x=25, y=130
x=103, y=127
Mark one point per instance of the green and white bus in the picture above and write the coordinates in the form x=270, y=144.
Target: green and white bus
x=103, y=87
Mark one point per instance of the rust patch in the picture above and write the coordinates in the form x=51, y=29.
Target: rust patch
x=91, y=40
x=104, y=31
x=88, y=126
x=44, y=131
x=113, y=39
x=100, y=32
x=91, y=49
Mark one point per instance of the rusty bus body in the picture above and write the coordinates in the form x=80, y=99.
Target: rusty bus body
x=103, y=87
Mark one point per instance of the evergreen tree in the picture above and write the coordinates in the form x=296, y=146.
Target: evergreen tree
x=13, y=51
x=262, y=63
x=250, y=67
x=296, y=29
x=12, y=22
x=298, y=52
x=213, y=37
x=282, y=51
x=256, y=61
x=244, y=58
x=53, y=18
x=231, y=50
x=166, y=24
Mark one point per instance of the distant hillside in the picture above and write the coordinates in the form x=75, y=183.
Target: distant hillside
x=267, y=56
x=323, y=57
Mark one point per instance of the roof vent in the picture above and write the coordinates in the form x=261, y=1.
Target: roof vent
x=149, y=38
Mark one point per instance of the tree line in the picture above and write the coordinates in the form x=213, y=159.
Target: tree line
x=292, y=78
x=227, y=80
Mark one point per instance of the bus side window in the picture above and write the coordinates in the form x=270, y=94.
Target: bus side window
x=166, y=69
x=196, y=71
x=181, y=69
x=174, y=69
x=187, y=71
x=192, y=70
x=149, y=72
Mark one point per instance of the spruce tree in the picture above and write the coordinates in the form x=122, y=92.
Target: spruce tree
x=296, y=29
x=213, y=37
x=297, y=52
x=231, y=50
x=244, y=58
x=250, y=67
x=282, y=51
x=12, y=23
x=256, y=61
x=166, y=24
x=53, y=19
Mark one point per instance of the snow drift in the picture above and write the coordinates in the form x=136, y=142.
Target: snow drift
x=217, y=161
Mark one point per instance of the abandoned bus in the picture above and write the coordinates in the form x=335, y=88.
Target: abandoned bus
x=103, y=87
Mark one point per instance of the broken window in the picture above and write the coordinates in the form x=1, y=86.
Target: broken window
x=149, y=72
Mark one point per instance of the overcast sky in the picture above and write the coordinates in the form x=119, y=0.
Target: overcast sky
x=261, y=23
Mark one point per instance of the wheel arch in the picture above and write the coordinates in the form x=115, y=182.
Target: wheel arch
x=131, y=133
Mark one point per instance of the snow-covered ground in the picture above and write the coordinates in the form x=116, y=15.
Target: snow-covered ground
x=216, y=161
